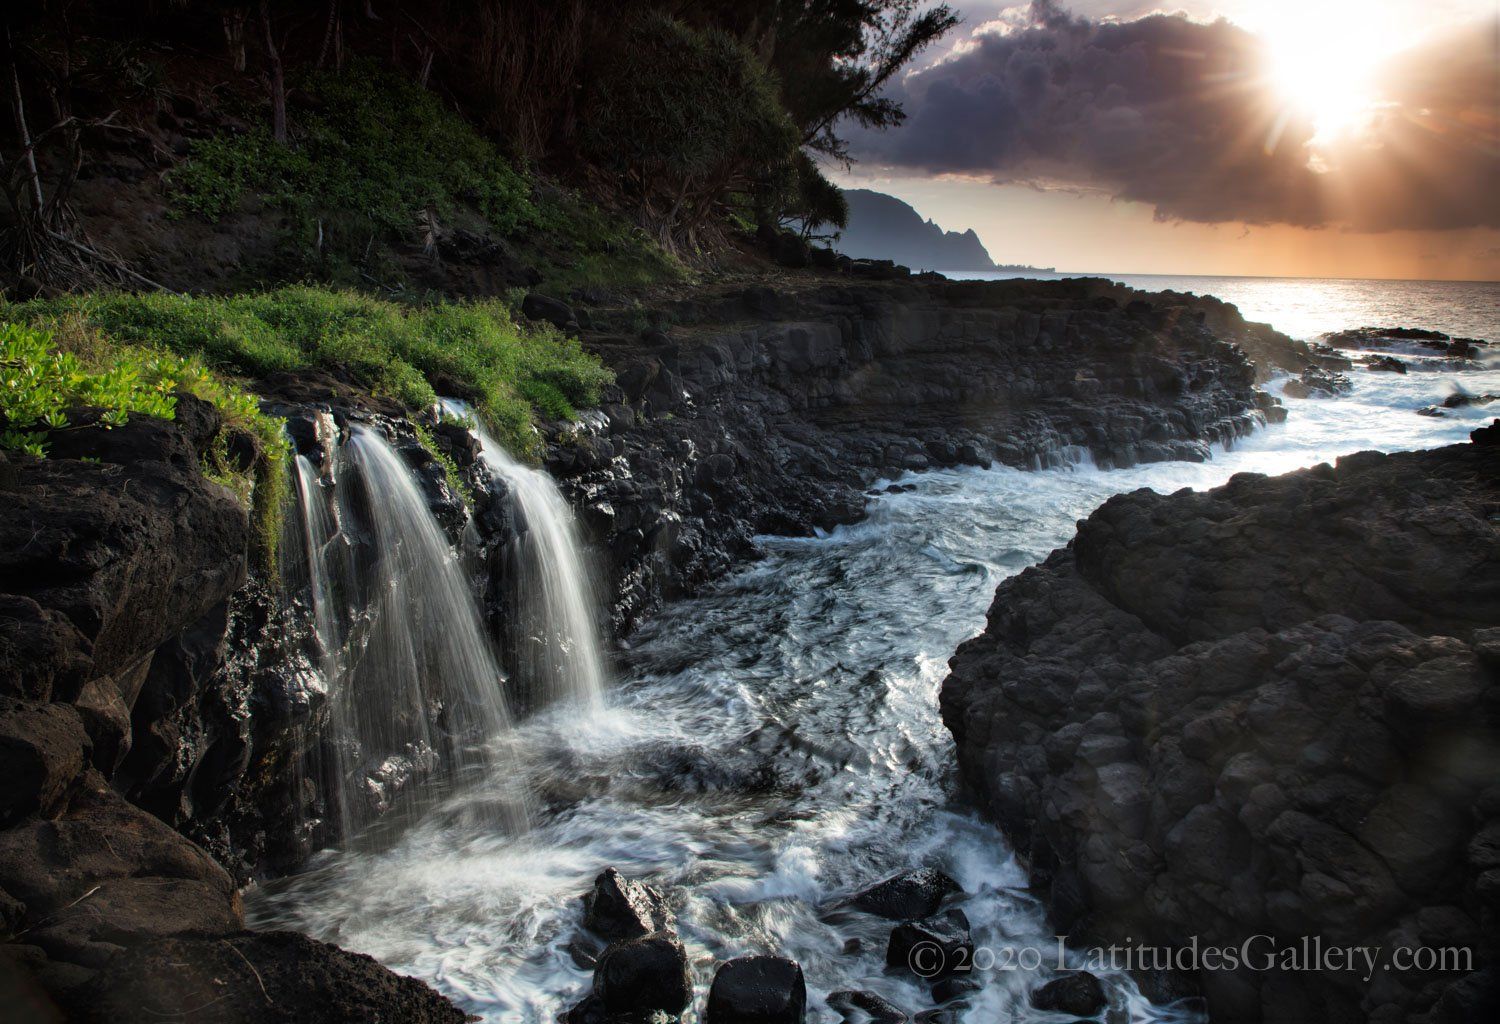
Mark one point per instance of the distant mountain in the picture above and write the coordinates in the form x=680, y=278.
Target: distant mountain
x=883, y=227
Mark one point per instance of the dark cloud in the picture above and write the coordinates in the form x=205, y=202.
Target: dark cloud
x=1180, y=115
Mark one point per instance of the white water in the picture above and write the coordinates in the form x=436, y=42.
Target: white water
x=775, y=744
x=552, y=588
x=417, y=699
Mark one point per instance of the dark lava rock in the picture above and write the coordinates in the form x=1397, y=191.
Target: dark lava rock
x=619, y=908
x=789, y=401
x=554, y=311
x=1316, y=382
x=1461, y=399
x=955, y=986
x=932, y=948
x=1265, y=708
x=257, y=978
x=757, y=990
x=1079, y=994
x=1385, y=364
x=42, y=749
x=908, y=896
x=860, y=1007
x=637, y=977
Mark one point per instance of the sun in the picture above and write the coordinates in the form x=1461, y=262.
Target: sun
x=1331, y=84
x=1323, y=56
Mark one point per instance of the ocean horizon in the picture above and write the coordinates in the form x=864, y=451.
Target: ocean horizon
x=1306, y=307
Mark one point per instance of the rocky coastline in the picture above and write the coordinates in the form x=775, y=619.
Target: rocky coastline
x=1269, y=709
x=158, y=704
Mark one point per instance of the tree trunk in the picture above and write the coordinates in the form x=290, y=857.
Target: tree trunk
x=234, y=36
x=278, y=78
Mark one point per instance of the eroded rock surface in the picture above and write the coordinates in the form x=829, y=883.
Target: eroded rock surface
x=1267, y=709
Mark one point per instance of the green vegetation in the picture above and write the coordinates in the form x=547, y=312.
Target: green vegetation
x=370, y=145
x=475, y=351
x=52, y=361
x=450, y=468
x=683, y=115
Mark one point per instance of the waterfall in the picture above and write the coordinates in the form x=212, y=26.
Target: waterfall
x=416, y=693
x=550, y=587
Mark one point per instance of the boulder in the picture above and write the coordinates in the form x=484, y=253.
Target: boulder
x=935, y=947
x=1079, y=994
x=43, y=748
x=620, y=908
x=257, y=978
x=559, y=314
x=866, y=1008
x=1261, y=709
x=638, y=977
x=907, y=896
x=757, y=990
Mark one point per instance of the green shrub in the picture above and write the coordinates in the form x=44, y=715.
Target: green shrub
x=369, y=144
x=59, y=361
x=477, y=351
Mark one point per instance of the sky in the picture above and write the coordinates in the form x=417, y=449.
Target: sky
x=1299, y=138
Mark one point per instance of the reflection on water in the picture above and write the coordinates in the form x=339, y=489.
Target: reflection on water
x=775, y=744
x=1307, y=307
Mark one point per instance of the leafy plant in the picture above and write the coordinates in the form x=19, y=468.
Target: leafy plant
x=60, y=362
x=369, y=144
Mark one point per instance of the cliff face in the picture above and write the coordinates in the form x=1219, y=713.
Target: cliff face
x=1269, y=709
x=884, y=227
x=765, y=411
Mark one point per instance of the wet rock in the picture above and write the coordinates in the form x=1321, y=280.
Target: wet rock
x=1462, y=399
x=908, y=896
x=933, y=948
x=1317, y=382
x=1080, y=994
x=257, y=978
x=865, y=1008
x=757, y=990
x=1218, y=714
x=790, y=402
x=955, y=987
x=620, y=908
x=638, y=977
x=1385, y=364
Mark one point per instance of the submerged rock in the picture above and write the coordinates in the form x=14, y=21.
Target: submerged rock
x=1079, y=994
x=638, y=977
x=935, y=947
x=908, y=896
x=866, y=1008
x=757, y=990
x=620, y=908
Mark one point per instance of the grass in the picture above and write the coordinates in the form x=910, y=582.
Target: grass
x=54, y=361
x=478, y=351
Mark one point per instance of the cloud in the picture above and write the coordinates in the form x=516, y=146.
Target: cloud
x=1180, y=115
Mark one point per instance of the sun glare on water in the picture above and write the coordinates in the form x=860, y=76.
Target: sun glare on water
x=1324, y=56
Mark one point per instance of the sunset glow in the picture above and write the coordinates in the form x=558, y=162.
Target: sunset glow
x=1325, y=56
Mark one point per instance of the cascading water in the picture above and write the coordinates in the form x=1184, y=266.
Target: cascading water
x=550, y=588
x=774, y=745
x=417, y=697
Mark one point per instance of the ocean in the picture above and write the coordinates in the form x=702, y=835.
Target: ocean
x=1306, y=307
